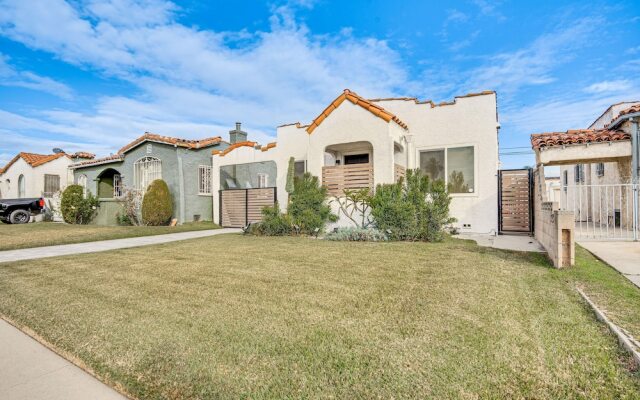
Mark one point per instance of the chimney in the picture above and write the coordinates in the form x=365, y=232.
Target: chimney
x=237, y=135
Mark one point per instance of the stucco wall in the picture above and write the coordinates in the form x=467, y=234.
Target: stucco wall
x=34, y=177
x=175, y=161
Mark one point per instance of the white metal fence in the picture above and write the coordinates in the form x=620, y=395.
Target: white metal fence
x=602, y=212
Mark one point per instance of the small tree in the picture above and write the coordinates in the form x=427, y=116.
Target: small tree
x=308, y=207
x=355, y=205
x=157, y=204
x=131, y=200
x=291, y=172
x=75, y=207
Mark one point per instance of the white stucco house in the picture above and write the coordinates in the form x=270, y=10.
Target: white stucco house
x=357, y=142
x=37, y=175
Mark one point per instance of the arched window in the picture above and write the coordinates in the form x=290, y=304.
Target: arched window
x=145, y=171
x=82, y=181
x=21, y=185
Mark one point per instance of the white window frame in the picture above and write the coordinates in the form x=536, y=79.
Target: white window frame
x=204, y=180
x=117, y=186
x=263, y=180
x=476, y=183
x=146, y=170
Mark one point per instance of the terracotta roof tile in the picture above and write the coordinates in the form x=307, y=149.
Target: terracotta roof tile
x=359, y=101
x=630, y=110
x=82, y=154
x=32, y=159
x=97, y=161
x=247, y=143
x=578, y=136
x=190, y=144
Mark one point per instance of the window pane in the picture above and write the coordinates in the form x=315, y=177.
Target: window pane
x=432, y=164
x=299, y=169
x=460, y=170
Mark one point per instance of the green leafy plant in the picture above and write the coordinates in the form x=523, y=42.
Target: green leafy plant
x=131, y=201
x=355, y=205
x=291, y=171
x=357, y=235
x=75, y=207
x=308, y=207
x=157, y=204
x=414, y=208
x=274, y=223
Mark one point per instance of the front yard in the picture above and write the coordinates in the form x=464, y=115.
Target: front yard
x=255, y=317
x=50, y=233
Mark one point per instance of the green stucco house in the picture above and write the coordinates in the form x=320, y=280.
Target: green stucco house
x=184, y=164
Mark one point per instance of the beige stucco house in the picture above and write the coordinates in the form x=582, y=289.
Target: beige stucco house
x=38, y=175
x=357, y=142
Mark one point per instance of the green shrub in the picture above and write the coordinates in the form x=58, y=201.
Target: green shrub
x=75, y=207
x=415, y=209
x=274, y=223
x=357, y=235
x=157, y=204
x=308, y=208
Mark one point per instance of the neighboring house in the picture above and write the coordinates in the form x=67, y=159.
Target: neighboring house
x=357, y=142
x=596, y=172
x=38, y=175
x=185, y=165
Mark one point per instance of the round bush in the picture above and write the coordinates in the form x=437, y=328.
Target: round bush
x=75, y=208
x=157, y=204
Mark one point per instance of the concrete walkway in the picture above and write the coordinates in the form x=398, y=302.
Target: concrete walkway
x=623, y=256
x=103, y=245
x=30, y=371
x=504, y=242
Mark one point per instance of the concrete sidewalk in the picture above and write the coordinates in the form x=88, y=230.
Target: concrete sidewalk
x=30, y=371
x=623, y=256
x=504, y=242
x=103, y=245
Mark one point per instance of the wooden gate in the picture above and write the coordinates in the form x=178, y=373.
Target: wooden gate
x=239, y=207
x=515, y=200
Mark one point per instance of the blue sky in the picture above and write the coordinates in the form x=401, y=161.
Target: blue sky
x=93, y=75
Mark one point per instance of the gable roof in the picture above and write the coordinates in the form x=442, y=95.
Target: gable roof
x=32, y=159
x=190, y=144
x=577, y=136
x=359, y=101
x=247, y=143
x=98, y=161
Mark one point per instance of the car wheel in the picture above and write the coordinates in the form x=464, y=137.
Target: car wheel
x=20, y=217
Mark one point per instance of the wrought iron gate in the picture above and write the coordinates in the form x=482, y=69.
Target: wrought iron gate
x=603, y=212
x=515, y=201
x=239, y=207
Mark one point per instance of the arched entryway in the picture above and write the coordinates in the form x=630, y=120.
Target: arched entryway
x=109, y=184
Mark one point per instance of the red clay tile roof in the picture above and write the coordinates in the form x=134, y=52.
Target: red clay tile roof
x=578, y=136
x=82, y=154
x=359, y=101
x=32, y=159
x=247, y=143
x=97, y=161
x=190, y=144
x=630, y=110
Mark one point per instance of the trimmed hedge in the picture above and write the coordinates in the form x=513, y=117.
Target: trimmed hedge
x=75, y=208
x=157, y=204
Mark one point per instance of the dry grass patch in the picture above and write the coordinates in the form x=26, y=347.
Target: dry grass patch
x=50, y=233
x=233, y=316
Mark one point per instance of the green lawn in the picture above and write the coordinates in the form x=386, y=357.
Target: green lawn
x=234, y=316
x=50, y=233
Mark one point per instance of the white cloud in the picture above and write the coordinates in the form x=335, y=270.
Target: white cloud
x=608, y=86
x=10, y=76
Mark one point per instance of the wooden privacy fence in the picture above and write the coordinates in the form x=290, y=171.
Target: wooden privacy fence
x=515, y=200
x=239, y=207
x=353, y=176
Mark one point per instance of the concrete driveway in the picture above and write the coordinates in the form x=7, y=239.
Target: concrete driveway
x=623, y=256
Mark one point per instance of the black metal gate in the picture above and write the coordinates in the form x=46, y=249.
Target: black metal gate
x=515, y=201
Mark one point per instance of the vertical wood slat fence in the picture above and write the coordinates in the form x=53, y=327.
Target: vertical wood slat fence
x=239, y=207
x=354, y=176
x=515, y=201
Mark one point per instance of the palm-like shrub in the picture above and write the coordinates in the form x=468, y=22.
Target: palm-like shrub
x=157, y=204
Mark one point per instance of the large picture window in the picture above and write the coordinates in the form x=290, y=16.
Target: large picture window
x=454, y=165
x=145, y=171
